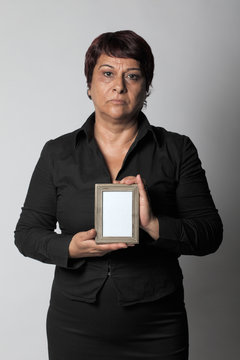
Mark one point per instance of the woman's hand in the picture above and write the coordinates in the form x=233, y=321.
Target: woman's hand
x=83, y=245
x=148, y=221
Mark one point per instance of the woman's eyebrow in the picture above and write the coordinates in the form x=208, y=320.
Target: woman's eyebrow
x=133, y=68
x=112, y=67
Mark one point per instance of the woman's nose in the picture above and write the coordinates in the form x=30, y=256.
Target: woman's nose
x=119, y=85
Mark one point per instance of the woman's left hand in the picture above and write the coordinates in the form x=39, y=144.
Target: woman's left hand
x=148, y=221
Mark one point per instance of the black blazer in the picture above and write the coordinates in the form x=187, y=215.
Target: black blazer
x=62, y=190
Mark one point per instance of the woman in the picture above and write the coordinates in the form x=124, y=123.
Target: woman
x=116, y=301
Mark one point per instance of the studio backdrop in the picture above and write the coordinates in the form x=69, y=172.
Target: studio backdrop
x=43, y=94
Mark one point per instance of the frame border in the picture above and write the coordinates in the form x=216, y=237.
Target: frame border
x=99, y=189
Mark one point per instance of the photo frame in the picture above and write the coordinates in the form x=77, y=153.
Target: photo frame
x=117, y=213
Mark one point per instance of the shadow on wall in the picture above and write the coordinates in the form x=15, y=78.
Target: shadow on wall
x=211, y=283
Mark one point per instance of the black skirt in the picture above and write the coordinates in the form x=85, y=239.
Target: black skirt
x=105, y=330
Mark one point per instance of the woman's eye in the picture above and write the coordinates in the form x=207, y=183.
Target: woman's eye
x=133, y=76
x=107, y=73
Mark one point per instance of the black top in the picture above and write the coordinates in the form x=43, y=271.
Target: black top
x=62, y=190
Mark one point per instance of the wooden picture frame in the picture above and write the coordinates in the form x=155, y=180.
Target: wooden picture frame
x=117, y=213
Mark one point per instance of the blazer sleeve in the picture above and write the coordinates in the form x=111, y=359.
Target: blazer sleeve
x=198, y=229
x=35, y=234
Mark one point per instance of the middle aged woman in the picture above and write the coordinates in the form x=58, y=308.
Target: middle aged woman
x=116, y=301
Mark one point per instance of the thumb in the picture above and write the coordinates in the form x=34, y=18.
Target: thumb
x=89, y=234
x=141, y=187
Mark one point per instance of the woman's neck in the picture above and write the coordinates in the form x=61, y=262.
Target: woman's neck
x=115, y=134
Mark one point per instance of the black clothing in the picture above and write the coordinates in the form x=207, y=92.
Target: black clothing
x=106, y=331
x=62, y=189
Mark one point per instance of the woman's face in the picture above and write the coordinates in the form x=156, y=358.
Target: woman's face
x=118, y=88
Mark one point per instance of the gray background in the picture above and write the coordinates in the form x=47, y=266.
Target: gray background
x=195, y=92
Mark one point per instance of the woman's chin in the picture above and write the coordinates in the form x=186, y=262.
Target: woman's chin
x=121, y=114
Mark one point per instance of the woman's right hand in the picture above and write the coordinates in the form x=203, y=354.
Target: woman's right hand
x=83, y=245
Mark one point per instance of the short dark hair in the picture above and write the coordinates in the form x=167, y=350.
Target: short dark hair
x=121, y=44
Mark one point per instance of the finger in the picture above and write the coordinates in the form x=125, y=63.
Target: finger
x=112, y=247
x=128, y=180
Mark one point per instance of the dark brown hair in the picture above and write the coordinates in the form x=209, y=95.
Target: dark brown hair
x=121, y=44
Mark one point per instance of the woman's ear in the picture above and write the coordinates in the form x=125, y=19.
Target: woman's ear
x=89, y=94
x=145, y=100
